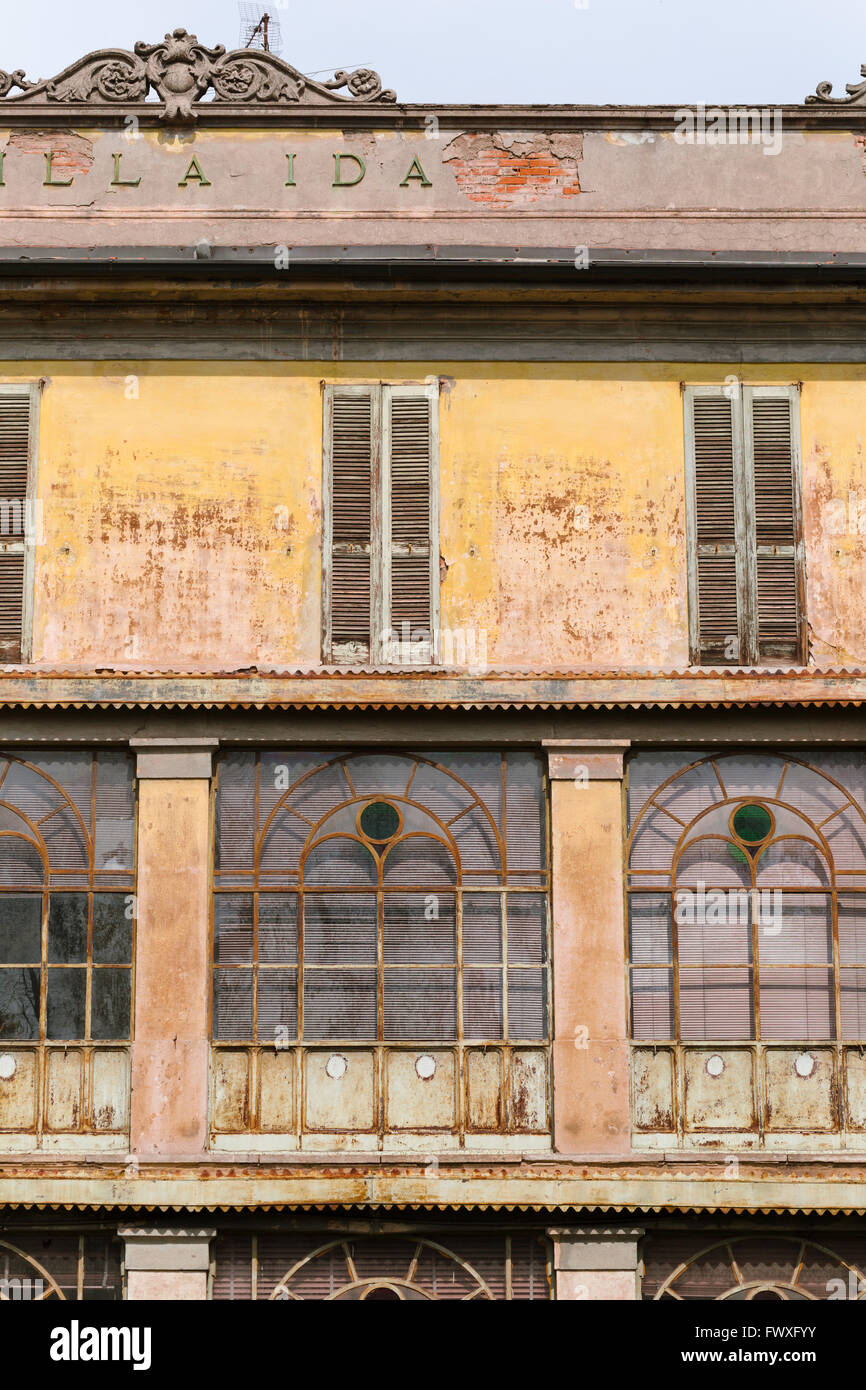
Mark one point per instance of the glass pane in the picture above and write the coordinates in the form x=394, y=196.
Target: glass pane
x=278, y=1005
x=337, y=861
x=19, y=1004
x=527, y=1005
x=21, y=929
x=340, y=1004
x=796, y=1005
x=233, y=928
x=278, y=928
x=115, y=813
x=109, y=1004
x=713, y=862
x=652, y=1008
x=112, y=928
x=419, y=859
x=853, y=992
x=851, y=908
x=420, y=929
x=482, y=928
x=792, y=863
x=527, y=928
x=339, y=929
x=713, y=926
x=649, y=919
x=795, y=929
x=482, y=1004
x=67, y=929
x=715, y=1005
x=421, y=1004
x=20, y=864
x=232, y=1005
x=66, y=996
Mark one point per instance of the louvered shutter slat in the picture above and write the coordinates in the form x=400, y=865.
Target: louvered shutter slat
x=777, y=600
x=14, y=475
x=14, y=454
x=351, y=526
x=715, y=529
x=410, y=514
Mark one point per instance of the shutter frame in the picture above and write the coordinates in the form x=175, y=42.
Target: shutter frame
x=343, y=651
x=768, y=553
x=18, y=552
x=754, y=562
x=389, y=653
x=380, y=650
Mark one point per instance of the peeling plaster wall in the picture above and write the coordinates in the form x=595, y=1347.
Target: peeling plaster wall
x=182, y=525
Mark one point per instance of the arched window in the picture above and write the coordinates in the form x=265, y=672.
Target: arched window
x=746, y=884
x=753, y=1268
x=380, y=897
x=294, y=1266
x=66, y=903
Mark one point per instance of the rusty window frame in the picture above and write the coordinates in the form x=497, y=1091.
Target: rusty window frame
x=88, y=882
x=745, y=548
x=19, y=1262
x=415, y=1241
x=833, y=893
x=510, y=885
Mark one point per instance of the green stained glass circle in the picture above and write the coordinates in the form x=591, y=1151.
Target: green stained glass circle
x=380, y=821
x=752, y=823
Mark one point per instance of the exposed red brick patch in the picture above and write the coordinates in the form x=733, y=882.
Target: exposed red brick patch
x=72, y=153
x=506, y=169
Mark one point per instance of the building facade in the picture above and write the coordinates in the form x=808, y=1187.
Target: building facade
x=433, y=777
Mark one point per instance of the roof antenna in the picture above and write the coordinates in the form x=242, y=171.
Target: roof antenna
x=259, y=29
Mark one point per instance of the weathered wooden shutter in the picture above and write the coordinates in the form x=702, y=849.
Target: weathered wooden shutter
x=381, y=535
x=352, y=458
x=411, y=585
x=771, y=451
x=16, y=430
x=717, y=579
x=745, y=550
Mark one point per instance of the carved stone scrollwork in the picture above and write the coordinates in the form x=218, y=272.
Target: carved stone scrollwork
x=181, y=70
x=856, y=93
x=8, y=80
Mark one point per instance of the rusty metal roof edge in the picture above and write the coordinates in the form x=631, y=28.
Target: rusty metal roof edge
x=721, y=1208
x=363, y=688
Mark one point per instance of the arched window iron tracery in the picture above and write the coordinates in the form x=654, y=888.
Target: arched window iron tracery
x=296, y=1266
x=66, y=900
x=754, y=1268
x=746, y=906
x=380, y=897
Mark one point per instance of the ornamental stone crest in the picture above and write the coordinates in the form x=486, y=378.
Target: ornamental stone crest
x=180, y=71
x=856, y=93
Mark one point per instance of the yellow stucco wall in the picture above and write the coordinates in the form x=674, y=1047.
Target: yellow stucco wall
x=181, y=510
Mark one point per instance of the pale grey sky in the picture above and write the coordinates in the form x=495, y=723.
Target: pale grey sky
x=617, y=51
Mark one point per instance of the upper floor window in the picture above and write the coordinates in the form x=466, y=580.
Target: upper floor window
x=747, y=897
x=381, y=524
x=746, y=586
x=19, y=519
x=381, y=898
x=66, y=898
